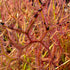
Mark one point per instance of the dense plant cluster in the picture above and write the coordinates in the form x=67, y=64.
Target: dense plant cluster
x=35, y=35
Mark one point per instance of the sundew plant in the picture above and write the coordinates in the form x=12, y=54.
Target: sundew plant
x=34, y=35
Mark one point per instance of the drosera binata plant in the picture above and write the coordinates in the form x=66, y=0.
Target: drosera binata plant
x=34, y=35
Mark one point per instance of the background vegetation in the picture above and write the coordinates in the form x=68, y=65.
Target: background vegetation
x=34, y=35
